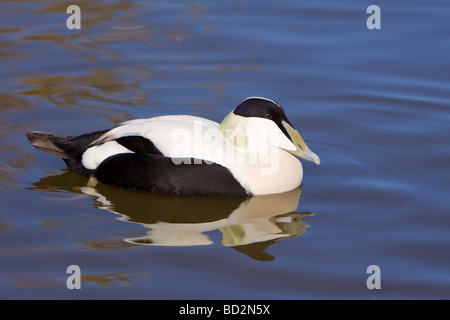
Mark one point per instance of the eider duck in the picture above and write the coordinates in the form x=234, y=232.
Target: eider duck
x=253, y=151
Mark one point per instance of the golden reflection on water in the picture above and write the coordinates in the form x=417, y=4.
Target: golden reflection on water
x=100, y=85
x=249, y=225
x=93, y=67
x=108, y=279
x=103, y=279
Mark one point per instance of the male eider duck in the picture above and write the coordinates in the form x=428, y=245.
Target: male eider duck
x=253, y=151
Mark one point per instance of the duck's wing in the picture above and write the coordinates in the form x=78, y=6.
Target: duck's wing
x=169, y=136
x=157, y=127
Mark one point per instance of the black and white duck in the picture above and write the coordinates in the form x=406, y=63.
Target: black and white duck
x=253, y=151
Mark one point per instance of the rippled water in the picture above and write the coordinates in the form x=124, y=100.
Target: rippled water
x=373, y=104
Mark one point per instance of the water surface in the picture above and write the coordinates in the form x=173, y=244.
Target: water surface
x=373, y=104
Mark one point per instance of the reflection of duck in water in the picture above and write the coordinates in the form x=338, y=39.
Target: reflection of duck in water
x=248, y=224
x=253, y=151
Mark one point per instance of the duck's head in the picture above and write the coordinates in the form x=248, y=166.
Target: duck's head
x=257, y=121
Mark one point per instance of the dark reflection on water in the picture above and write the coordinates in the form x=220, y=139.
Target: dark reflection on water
x=249, y=225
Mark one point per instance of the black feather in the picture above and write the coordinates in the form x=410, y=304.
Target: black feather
x=160, y=175
x=70, y=149
x=139, y=144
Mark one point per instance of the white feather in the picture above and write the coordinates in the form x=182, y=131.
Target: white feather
x=95, y=155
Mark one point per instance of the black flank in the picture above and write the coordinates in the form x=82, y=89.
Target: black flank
x=160, y=175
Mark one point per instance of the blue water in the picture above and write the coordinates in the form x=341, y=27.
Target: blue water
x=373, y=104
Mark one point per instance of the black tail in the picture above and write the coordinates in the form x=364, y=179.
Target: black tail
x=70, y=149
x=48, y=142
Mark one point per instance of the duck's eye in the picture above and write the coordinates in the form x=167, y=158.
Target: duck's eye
x=268, y=116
